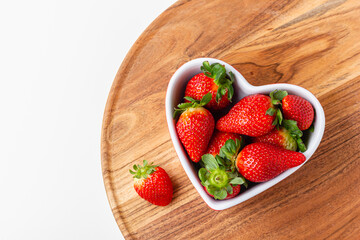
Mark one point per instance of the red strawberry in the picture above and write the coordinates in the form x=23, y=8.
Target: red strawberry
x=218, y=179
x=214, y=80
x=249, y=117
x=260, y=162
x=298, y=109
x=235, y=191
x=280, y=137
x=218, y=140
x=195, y=126
x=153, y=184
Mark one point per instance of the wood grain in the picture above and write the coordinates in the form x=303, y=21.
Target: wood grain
x=311, y=43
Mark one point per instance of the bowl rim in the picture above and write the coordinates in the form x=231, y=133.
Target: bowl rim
x=319, y=123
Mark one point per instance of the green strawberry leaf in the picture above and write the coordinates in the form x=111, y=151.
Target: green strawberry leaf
x=210, y=162
x=300, y=145
x=272, y=94
x=279, y=94
x=230, y=92
x=220, y=194
x=185, y=105
x=205, y=99
x=271, y=111
x=189, y=99
x=219, y=93
x=210, y=189
x=206, y=68
x=292, y=127
x=207, y=74
x=232, y=77
x=229, y=86
x=238, y=181
x=223, y=90
x=206, y=183
x=245, y=183
x=275, y=122
x=220, y=160
x=233, y=174
x=218, y=72
x=276, y=102
x=279, y=116
x=202, y=174
x=311, y=128
x=229, y=189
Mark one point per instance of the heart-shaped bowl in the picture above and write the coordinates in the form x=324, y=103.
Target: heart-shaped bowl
x=174, y=96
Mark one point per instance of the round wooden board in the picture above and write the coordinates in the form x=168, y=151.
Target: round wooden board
x=311, y=43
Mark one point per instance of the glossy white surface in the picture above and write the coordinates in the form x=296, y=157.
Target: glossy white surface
x=242, y=88
x=58, y=59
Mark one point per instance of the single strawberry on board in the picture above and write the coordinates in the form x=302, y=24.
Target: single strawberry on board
x=298, y=109
x=249, y=117
x=218, y=140
x=153, y=184
x=195, y=126
x=213, y=79
x=260, y=162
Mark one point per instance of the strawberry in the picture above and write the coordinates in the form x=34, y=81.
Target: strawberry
x=213, y=80
x=219, y=181
x=260, y=162
x=298, y=109
x=153, y=184
x=280, y=137
x=218, y=175
x=218, y=140
x=195, y=126
x=249, y=117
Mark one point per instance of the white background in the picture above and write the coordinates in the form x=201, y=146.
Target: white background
x=57, y=63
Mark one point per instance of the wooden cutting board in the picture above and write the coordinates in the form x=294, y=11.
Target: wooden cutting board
x=312, y=43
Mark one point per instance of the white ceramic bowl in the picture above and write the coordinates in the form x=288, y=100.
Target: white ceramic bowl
x=174, y=96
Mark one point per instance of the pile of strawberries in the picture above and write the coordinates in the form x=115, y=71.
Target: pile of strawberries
x=256, y=140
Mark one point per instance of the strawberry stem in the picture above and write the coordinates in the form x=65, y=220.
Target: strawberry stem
x=143, y=171
x=218, y=177
x=276, y=97
x=182, y=107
